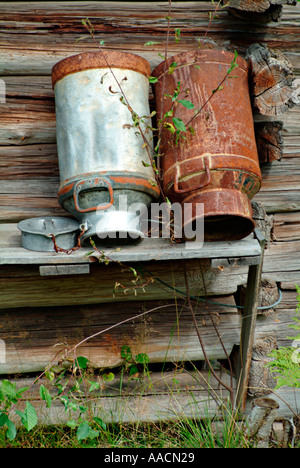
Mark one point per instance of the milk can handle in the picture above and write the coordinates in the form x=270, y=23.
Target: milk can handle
x=89, y=184
x=197, y=187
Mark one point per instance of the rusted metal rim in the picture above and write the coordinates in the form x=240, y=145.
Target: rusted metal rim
x=195, y=57
x=193, y=167
x=227, y=214
x=114, y=180
x=104, y=59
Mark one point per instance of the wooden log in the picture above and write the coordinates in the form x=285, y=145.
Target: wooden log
x=286, y=226
x=260, y=421
x=54, y=32
x=28, y=197
x=37, y=337
x=167, y=396
x=280, y=190
x=259, y=10
x=262, y=221
x=261, y=381
x=269, y=141
x=271, y=82
x=259, y=6
x=29, y=162
x=19, y=286
x=282, y=261
x=268, y=295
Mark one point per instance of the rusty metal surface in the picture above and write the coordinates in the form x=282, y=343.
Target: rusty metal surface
x=104, y=59
x=217, y=163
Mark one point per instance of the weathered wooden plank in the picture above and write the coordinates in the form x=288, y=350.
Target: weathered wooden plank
x=149, y=249
x=58, y=37
x=34, y=337
x=25, y=197
x=281, y=258
x=158, y=397
x=61, y=270
x=286, y=226
x=280, y=186
x=28, y=162
x=19, y=285
x=161, y=397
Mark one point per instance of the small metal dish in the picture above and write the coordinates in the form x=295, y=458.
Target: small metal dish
x=37, y=233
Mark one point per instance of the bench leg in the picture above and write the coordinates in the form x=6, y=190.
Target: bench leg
x=248, y=327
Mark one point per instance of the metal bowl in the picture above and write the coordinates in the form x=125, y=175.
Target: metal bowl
x=37, y=233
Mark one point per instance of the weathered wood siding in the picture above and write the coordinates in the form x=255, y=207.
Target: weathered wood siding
x=38, y=313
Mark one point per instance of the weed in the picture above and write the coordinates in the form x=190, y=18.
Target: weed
x=286, y=360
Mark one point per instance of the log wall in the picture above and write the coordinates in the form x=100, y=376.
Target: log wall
x=37, y=313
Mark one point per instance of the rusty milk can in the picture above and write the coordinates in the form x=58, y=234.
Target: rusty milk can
x=216, y=163
x=102, y=155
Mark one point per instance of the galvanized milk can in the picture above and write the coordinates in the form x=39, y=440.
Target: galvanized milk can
x=216, y=162
x=104, y=162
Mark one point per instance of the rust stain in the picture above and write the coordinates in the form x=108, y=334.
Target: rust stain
x=104, y=59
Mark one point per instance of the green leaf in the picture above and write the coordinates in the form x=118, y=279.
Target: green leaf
x=172, y=68
x=177, y=35
x=233, y=63
x=45, y=395
x=72, y=424
x=93, y=386
x=29, y=417
x=65, y=401
x=11, y=430
x=8, y=389
x=20, y=391
x=150, y=43
x=187, y=104
x=83, y=431
x=168, y=114
x=133, y=370
x=3, y=419
x=152, y=79
x=82, y=362
x=179, y=124
x=142, y=358
x=126, y=353
x=169, y=127
x=100, y=423
x=109, y=377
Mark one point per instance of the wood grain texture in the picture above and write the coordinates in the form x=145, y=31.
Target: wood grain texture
x=271, y=80
x=35, y=336
x=286, y=226
x=160, y=397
